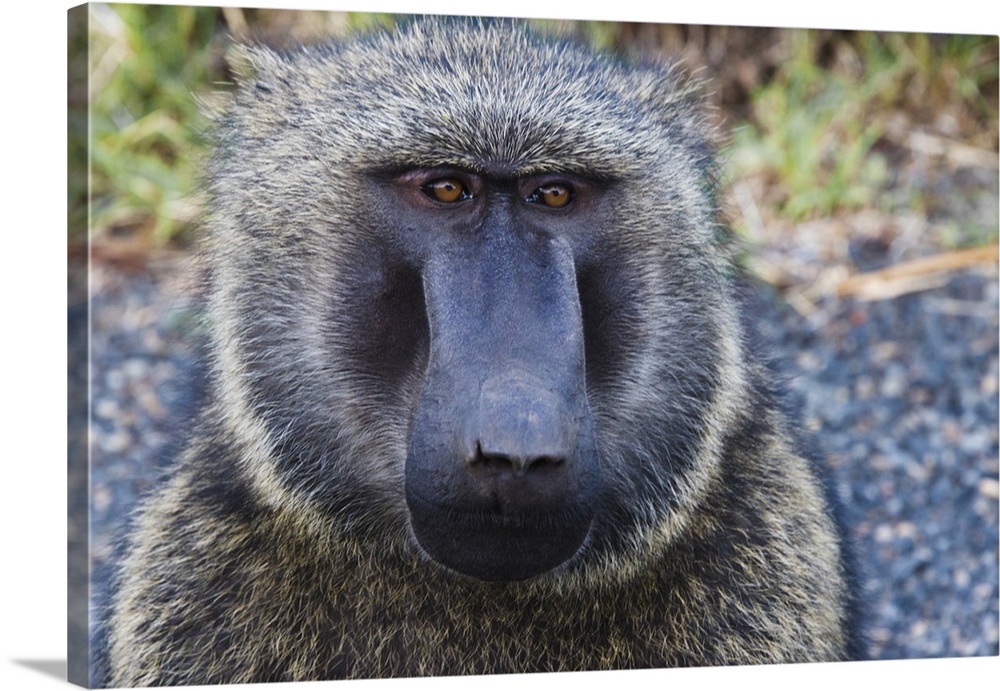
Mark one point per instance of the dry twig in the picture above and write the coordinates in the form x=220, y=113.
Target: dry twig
x=916, y=275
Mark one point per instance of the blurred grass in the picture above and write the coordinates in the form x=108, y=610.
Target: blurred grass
x=813, y=128
x=812, y=113
x=812, y=132
x=147, y=130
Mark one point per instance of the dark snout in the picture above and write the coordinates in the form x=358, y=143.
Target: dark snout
x=502, y=473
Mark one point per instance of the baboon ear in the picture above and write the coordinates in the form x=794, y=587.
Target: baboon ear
x=682, y=101
x=247, y=63
x=678, y=102
x=257, y=69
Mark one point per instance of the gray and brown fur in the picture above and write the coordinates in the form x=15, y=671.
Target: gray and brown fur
x=281, y=547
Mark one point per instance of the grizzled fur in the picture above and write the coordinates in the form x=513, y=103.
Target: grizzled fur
x=282, y=547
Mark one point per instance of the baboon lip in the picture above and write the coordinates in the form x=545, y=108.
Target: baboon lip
x=500, y=515
x=491, y=546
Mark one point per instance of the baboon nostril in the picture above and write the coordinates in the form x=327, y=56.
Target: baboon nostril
x=520, y=464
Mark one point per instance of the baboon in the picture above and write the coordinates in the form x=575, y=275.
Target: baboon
x=481, y=397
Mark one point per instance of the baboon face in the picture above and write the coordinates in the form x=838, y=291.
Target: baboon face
x=473, y=300
x=502, y=476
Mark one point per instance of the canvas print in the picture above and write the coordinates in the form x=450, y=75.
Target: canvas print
x=431, y=346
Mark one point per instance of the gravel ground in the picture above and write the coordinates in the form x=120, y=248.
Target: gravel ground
x=901, y=393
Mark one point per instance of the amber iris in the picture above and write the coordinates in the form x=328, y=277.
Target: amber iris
x=555, y=196
x=447, y=190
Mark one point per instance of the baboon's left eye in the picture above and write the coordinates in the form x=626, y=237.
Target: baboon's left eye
x=447, y=190
x=555, y=196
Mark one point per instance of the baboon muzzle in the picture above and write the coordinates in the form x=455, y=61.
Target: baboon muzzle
x=502, y=473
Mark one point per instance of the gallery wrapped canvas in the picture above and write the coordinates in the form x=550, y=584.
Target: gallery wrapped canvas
x=435, y=346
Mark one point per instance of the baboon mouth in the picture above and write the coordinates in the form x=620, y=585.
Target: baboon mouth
x=495, y=546
x=501, y=516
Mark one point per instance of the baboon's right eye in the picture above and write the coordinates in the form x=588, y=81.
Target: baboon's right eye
x=555, y=196
x=447, y=190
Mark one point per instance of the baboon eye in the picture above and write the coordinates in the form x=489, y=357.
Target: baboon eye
x=555, y=196
x=447, y=190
